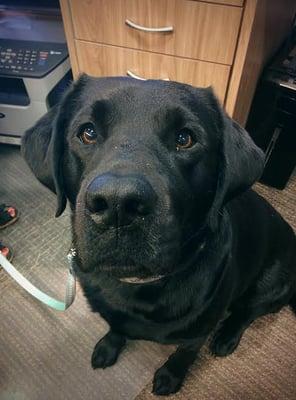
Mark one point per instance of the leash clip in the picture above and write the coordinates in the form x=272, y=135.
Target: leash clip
x=70, y=257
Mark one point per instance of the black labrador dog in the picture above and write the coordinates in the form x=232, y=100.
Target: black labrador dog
x=172, y=245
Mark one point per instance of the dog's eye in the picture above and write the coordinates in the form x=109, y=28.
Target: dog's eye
x=184, y=139
x=88, y=135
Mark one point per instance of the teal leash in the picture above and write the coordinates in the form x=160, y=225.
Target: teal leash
x=37, y=293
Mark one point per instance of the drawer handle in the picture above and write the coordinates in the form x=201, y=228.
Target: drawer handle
x=132, y=75
x=146, y=29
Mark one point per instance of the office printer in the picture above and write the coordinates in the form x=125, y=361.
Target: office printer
x=34, y=63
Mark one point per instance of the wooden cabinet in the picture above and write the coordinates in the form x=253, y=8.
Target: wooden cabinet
x=107, y=21
x=202, y=43
x=105, y=60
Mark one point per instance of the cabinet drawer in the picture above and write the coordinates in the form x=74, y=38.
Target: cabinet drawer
x=201, y=30
x=104, y=60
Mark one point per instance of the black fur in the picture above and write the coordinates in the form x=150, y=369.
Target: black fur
x=226, y=257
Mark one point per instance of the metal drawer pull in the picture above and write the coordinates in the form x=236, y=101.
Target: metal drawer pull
x=145, y=29
x=132, y=75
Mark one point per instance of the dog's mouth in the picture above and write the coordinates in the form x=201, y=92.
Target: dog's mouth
x=140, y=281
x=131, y=273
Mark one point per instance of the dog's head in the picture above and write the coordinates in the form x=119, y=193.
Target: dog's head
x=144, y=165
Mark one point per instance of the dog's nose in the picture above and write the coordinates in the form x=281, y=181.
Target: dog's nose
x=120, y=200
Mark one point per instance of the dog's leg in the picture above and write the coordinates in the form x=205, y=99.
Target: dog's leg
x=293, y=303
x=169, y=377
x=228, y=335
x=107, y=350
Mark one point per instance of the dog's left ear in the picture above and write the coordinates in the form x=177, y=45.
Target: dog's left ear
x=240, y=163
x=43, y=144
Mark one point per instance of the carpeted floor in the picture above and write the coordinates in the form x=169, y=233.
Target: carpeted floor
x=45, y=355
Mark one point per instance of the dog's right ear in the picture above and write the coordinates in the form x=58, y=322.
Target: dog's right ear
x=240, y=161
x=43, y=144
x=35, y=147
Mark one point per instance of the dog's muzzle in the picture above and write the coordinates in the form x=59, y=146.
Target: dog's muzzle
x=119, y=200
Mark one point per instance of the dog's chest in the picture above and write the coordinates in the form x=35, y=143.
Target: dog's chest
x=147, y=312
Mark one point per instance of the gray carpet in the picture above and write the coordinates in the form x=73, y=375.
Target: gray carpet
x=45, y=354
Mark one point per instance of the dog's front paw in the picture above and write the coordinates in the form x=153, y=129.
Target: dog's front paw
x=103, y=356
x=107, y=351
x=165, y=383
x=224, y=344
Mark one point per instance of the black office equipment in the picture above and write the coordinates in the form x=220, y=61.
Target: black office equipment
x=272, y=119
x=34, y=63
